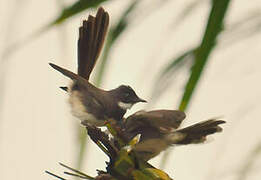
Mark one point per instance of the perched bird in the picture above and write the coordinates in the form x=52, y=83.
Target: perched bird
x=159, y=130
x=88, y=103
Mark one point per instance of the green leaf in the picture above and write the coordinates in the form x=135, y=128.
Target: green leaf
x=76, y=8
x=139, y=175
x=123, y=163
x=156, y=173
x=113, y=132
x=150, y=173
x=82, y=174
x=213, y=28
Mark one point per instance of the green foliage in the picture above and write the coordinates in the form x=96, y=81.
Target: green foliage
x=201, y=54
x=150, y=173
x=214, y=26
x=197, y=59
x=76, y=8
x=123, y=162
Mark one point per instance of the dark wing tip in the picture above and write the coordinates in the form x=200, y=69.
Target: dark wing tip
x=221, y=122
x=64, y=88
x=66, y=72
x=54, y=66
x=217, y=122
x=214, y=125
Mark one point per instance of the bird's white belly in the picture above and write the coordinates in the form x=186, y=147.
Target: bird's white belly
x=78, y=110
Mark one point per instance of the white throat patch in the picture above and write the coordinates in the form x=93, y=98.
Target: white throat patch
x=125, y=106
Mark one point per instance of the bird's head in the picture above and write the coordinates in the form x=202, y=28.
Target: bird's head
x=126, y=97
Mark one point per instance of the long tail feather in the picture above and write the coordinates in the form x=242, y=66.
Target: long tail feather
x=91, y=39
x=68, y=73
x=196, y=133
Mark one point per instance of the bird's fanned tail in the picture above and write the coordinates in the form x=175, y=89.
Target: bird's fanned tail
x=196, y=133
x=91, y=39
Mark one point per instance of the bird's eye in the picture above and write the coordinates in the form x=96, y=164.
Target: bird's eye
x=126, y=95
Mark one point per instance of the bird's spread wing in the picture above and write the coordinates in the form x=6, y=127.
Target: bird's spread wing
x=91, y=39
x=163, y=120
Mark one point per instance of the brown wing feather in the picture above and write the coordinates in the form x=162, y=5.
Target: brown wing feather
x=91, y=38
x=163, y=120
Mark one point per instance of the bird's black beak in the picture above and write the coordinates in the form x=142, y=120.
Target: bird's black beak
x=140, y=100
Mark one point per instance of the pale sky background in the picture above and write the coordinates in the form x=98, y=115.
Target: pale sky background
x=37, y=130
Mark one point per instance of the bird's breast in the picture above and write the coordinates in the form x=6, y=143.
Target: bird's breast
x=79, y=110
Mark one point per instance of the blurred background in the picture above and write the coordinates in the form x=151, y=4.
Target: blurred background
x=200, y=56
